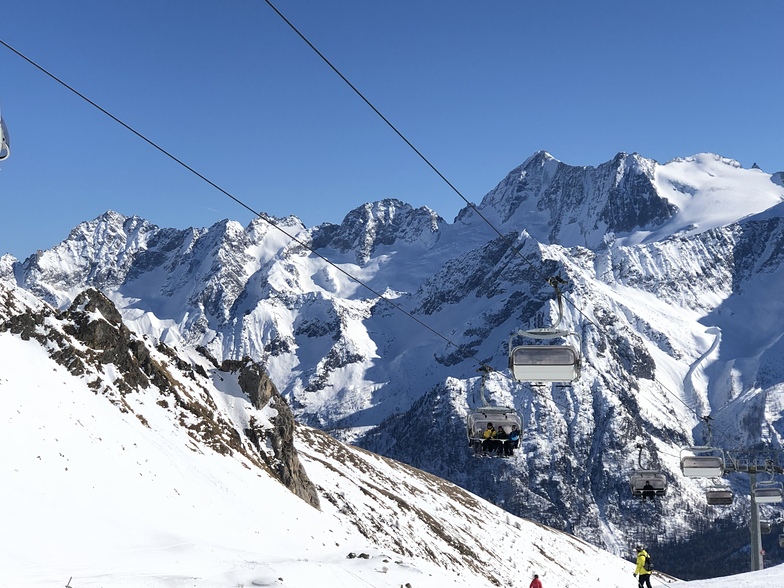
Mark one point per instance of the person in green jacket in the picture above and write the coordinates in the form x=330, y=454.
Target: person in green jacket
x=643, y=576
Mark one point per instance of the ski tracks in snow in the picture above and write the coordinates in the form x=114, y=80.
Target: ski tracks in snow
x=688, y=381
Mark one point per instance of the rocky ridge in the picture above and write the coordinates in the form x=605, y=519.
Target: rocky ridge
x=89, y=337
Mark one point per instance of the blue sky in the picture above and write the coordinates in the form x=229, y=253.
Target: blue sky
x=477, y=87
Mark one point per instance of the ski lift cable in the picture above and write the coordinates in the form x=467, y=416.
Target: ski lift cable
x=470, y=204
x=450, y=184
x=238, y=201
x=404, y=139
x=257, y=214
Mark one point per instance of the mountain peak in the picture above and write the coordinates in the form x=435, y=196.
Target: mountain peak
x=630, y=197
x=377, y=224
x=708, y=159
x=541, y=157
x=568, y=205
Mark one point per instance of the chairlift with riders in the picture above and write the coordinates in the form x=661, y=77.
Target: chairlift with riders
x=499, y=417
x=647, y=483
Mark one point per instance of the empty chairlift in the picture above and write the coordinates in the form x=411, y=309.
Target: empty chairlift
x=769, y=492
x=718, y=496
x=544, y=363
x=5, y=149
x=702, y=462
x=534, y=362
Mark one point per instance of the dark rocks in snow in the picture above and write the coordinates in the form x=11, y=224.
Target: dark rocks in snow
x=374, y=225
x=255, y=383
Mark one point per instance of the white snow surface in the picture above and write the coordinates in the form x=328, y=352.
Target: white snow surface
x=709, y=191
x=93, y=498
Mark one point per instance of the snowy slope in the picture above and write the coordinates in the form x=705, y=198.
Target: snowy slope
x=710, y=191
x=122, y=494
x=98, y=496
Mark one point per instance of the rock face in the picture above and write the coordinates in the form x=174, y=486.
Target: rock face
x=374, y=329
x=284, y=460
x=559, y=203
x=370, y=227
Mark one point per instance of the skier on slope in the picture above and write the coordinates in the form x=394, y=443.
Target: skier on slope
x=643, y=575
x=536, y=582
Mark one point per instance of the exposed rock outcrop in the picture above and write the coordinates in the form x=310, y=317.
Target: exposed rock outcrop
x=284, y=460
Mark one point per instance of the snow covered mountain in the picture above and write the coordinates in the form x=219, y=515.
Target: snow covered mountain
x=374, y=329
x=126, y=464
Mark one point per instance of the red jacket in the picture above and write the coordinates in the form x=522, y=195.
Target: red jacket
x=535, y=583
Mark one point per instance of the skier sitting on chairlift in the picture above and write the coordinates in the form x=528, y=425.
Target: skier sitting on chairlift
x=489, y=444
x=511, y=443
x=501, y=437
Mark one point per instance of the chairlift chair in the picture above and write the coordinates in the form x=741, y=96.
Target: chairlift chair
x=765, y=527
x=5, y=149
x=546, y=363
x=718, y=496
x=648, y=483
x=768, y=492
x=702, y=462
x=781, y=540
x=501, y=417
